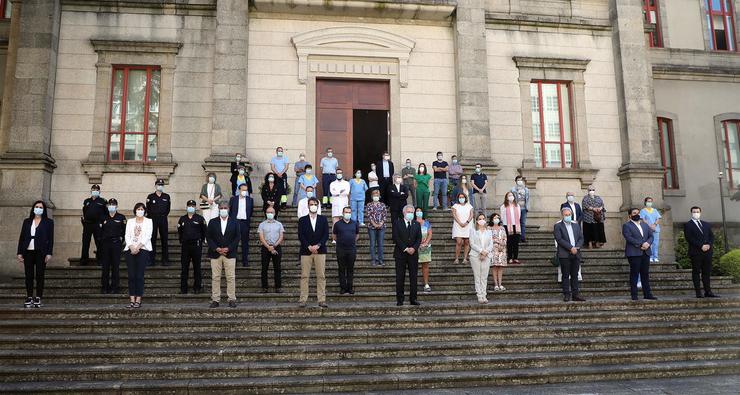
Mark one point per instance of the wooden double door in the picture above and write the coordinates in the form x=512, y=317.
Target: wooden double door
x=352, y=119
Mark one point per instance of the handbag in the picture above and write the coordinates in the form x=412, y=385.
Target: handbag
x=598, y=216
x=555, y=261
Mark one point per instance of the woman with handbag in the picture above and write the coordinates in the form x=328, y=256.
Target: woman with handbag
x=594, y=214
x=210, y=195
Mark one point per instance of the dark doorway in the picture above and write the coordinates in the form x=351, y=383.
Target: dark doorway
x=369, y=138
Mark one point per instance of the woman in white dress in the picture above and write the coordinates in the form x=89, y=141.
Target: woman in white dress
x=481, y=242
x=462, y=216
x=210, y=195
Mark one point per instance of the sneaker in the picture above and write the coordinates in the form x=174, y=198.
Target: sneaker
x=501, y=288
x=28, y=303
x=362, y=224
x=496, y=288
x=434, y=208
x=37, y=302
x=657, y=260
x=213, y=304
x=427, y=288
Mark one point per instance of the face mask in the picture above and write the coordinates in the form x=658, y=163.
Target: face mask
x=419, y=214
x=520, y=183
x=376, y=198
x=339, y=176
x=454, y=161
x=160, y=188
x=241, y=172
x=496, y=221
x=408, y=164
x=139, y=213
x=271, y=179
x=309, y=171
x=648, y=204
x=309, y=194
x=571, y=199
x=238, y=158
x=211, y=179
x=635, y=217
x=313, y=208
x=191, y=209
x=223, y=213
x=95, y=193
x=477, y=169
x=243, y=193
x=439, y=157
x=112, y=209
x=409, y=216
x=696, y=216
x=38, y=210
x=280, y=153
x=358, y=175
x=567, y=218
x=347, y=216
x=461, y=200
x=397, y=181
x=330, y=154
x=510, y=198
x=386, y=157
x=270, y=215
x=591, y=193
x=464, y=181
x=372, y=167
x=302, y=157
x=421, y=169
x=482, y=222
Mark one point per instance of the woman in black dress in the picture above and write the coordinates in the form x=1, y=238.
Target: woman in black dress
x=271, y=193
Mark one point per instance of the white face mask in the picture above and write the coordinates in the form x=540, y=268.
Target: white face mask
x=309, y=171
x=464, y=181
x=330, y=154
x=243, y=193
x=372, y=167
x=376, y=198
x=38, y=211
x=421, y=169
x=309, y=194
x=339, y=176
x=238, y=158
x=139, y=213
x=313, y=208
x=439, y=157
x=496, y=221
x=271, y=179
x=510, y=198
x=696, y=216
x=482, y=222
x=241, y=172
x=571, y=199
x=302, y=157
x=520, y=183
x=211, y=180
x=223, y=213
x=591, y=193
x=386, y=157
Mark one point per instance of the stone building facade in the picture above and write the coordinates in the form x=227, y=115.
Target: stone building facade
x=567, y=93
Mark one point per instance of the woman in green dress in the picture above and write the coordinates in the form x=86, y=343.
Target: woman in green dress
x=425, y=248
x=421, y=184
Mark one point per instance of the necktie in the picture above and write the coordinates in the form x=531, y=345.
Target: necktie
x=698, y=225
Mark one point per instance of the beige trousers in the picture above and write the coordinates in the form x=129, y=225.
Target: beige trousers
x=480, y=274
x=318, y=260
x=229, y=266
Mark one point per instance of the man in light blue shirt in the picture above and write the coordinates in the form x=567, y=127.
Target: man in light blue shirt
x=279, y=166
x=329, y=166
x=299, y=168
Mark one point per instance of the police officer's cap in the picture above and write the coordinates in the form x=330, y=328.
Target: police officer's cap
x=112, y=202
x=159, y=181
x=95, y=187
x=191, y=202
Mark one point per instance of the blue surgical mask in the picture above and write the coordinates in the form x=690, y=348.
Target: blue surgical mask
x=339, y=176
x=347, y=216
x=648, y=204
x=270, y=215
x=568, y=218
x=112, y=209
x=160, y=188
x=280, y=153
x=191, y=209
x=409, y=216
x=38, y=210
x=223, y=213
x=419, y=214
x=461, y=200
x=95, y=193
x=309, y=194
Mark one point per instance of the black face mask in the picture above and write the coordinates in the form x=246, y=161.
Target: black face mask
x=635, y=217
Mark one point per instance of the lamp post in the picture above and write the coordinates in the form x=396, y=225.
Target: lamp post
x=724, y=220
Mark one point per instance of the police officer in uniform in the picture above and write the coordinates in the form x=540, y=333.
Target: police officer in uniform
x=158, y=208
x=191, y=231
x=93, y=212
x=112, y=232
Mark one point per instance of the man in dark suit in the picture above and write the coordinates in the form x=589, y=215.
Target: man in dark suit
x=241, y=208
x=313, y=232
x=407, y=237
x=638, y=239
x=398, y=193
x=385, y=171
x=569, y=237
x=223, y=239
x=575, y=208
x=700, y=239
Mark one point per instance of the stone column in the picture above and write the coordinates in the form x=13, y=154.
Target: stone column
x=229, y=86
x=641, y=173
x=26, y=164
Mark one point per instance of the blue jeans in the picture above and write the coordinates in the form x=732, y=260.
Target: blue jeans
x=440, y=188
x=326, y=180
x=523, y=218
x=358, y=210
x=296, y=188
x=654, y=246
x=376, y=244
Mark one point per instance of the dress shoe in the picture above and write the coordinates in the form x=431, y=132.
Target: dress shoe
x=566, y=298
x=213, y=304
x=104, y=291
x=197, y=290
x=399, y=303
x=232, y=303
x=578, y=298
x=302, y=305
x=415, y=303
x=323, y=305
x=710, y=295
x=634, y=298
x=183, y=292
x=651, y=297
x=264, y=290
x=278, y=290
x=351, y=291
x=699, y=295
x=165, y=263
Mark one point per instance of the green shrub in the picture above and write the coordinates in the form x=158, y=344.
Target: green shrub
x=682, y=251
x=729, y=265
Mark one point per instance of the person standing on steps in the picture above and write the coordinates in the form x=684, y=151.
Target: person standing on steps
x=313, y=232
x=191, y=231
x=510, y=218
x=93, y=213
x=464, y=187
x=158, y=208
x=440, y=168
x=243, y=178
x=329, y=165
x=272, y=190
x=455, y=171
x=421, y=186
x=339, y=190
x=385, y=173
x=302, y=209
x=372, y=181
x=481, y=246
x=210, y=196
x=397, y=197
x=376, y=228
x=594, y=215
x=407, y=173
x=138, y=251
x=479, y=182
x=462, y=216
x=241, y=208
x=569, y=237
x=407, y=239
x=638, y=238
x=357, y=190
x=35, y=248
x=346, y=231
x=112, y=233
x=271, y=233
x=236, y=165
x=521, y=194
x=425, y=247
x=305, y=181
x=575, y=208
x=223, y=239
x=300, y=169
x=279, y=166
x=700, y=239
x=651, y=216
x=498, y=258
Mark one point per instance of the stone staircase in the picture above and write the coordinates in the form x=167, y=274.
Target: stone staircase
x=84, y=342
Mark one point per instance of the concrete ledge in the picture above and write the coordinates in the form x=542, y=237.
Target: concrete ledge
x=156, y=7
x=532, y=174
x=534, y=22
x=95, y=170
x=692, y=64
x=404, y=9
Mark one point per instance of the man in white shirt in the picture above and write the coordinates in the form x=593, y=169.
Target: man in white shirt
x=241, y=209
x=303, y=203
x=339, y=190
x=223, y=239
x=313, y=232
x=569, y=239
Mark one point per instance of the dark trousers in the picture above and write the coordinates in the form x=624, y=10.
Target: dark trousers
x=384, y=183
x=266, y=256
x=285, y=189
x=109, y=254
x=326, y=180
x=346, y=265
x=569, y=268
x=701, y=271
x=639, y=269
x=244, y=239
x=135, y=265
x=410, y=263
x=89, y=229
x=159, y=224
x=34, y=265
x=512, y=246
x=191, y=251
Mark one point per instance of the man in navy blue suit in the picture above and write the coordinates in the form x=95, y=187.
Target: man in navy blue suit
x=638, y=238
x=241, y=207
x=222, y=235
x=575, y=208
x=700, y=239
x=313, y=232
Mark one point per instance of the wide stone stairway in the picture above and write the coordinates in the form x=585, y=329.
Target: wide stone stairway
x=85, y=342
